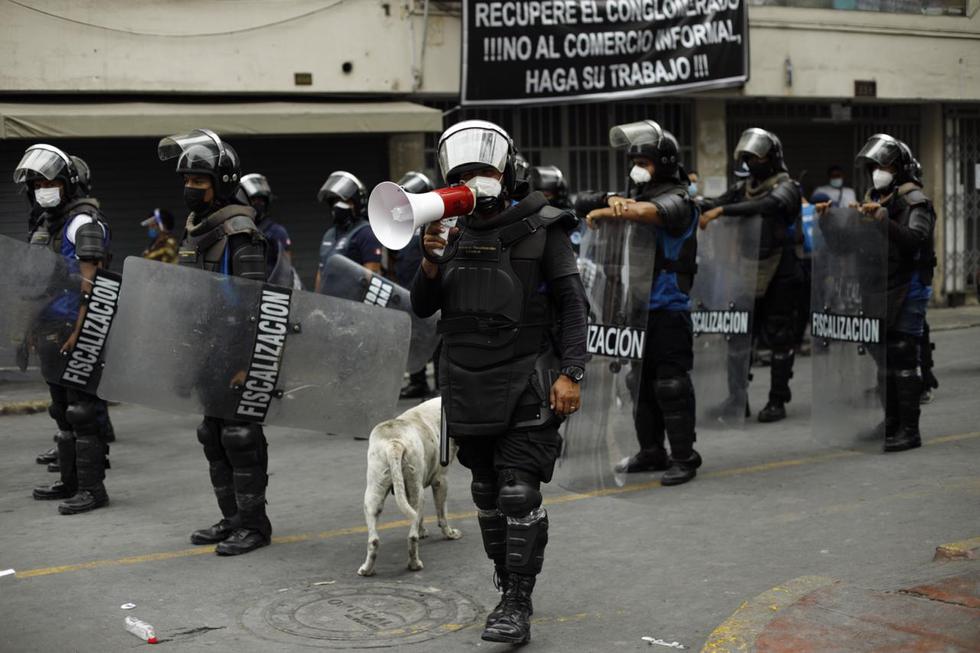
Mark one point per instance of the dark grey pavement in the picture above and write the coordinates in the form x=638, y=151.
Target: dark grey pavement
x=770, y=505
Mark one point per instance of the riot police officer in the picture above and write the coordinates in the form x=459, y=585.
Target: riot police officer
x=72, y=225
x=769, y=192
x=350, y=234
x=507, y=379
x=658, y=196
x=897, y=203
x=278, y=244
x=406, y=265
x=222, y=236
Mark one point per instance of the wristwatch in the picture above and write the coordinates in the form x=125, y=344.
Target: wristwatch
x=574, y=372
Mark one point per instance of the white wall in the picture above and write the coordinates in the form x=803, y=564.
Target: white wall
x=255, y=46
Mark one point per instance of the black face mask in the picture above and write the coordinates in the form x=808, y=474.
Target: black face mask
x=194, y=199
x=761, y=170
x=342, y=217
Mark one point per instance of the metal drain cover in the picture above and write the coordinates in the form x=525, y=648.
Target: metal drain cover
x=365, y=615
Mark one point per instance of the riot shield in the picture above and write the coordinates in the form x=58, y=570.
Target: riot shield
x=342, y=277
x=847, y=323
x=722, y=301
x=284, y=274
x=616, y=264
x=196, y=342
x=34, y=286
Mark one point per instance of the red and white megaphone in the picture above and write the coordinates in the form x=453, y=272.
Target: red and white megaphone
x=396, y=215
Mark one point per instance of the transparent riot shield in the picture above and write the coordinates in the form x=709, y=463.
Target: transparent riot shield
x=722, y=301
x=284, y=274
x=342, y=277
x=196, y=342
x=847, y=323
x=616, y=264
x=35, y=289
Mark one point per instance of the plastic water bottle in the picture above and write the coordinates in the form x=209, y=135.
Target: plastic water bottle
x=141, y=629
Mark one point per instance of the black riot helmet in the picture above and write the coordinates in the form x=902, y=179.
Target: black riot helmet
x=256, y=187
x=42, y=161
x=84, y=185
x=202, y=152
x=416, y=182
x=474, y=145
x=757, y=142
x=648, y=139
x=549, y=179
x=882, y=150
x=342, y=186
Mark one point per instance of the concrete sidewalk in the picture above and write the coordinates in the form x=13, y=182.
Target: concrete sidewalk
x=938, y=609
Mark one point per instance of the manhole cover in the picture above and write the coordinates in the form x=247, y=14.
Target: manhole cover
x=369, y=615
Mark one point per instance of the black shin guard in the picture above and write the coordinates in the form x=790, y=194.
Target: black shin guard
x=246, y=448
x=90, y=448
x=781, y=372
x=222, y=479
x=527, y=538
x=675, y=395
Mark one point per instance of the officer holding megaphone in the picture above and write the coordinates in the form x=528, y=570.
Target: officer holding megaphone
x=504, y=277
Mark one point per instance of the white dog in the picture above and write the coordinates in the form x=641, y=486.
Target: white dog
x=403, y=457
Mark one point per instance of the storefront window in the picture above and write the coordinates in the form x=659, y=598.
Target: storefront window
x=922, y=7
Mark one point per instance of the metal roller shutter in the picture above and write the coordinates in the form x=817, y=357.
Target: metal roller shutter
x=130, y=181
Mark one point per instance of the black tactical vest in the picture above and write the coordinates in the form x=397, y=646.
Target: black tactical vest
x=50, y=228
x=496, y=317
x=204, y=243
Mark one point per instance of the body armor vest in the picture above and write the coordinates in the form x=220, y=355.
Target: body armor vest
x=496, y=321
x=204, y=243
x=902, y=263
x=684, y=264
x=50, y=229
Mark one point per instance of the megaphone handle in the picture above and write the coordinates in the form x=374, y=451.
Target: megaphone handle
x=445, y=226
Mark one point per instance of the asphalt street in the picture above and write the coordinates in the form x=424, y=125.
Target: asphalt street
x=770, y=504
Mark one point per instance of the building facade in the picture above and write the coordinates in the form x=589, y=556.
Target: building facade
x=303, y=87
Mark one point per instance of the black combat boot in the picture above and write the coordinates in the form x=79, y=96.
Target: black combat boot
x=908, y=387
x=773, y=412
x=682, y=469
x=513, y=626
x=645, y=460
x=49, y=456
x=85, y=499
x=417, y=386
x=242, y=540
x=68, y=485
x=779, y=393
x=216, y=532
x=90, y=460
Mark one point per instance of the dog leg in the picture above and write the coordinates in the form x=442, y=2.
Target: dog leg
x=440, y=491
x=374, y=500
x=416, y=495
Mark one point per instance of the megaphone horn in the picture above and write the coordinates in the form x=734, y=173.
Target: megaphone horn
x=395, y=215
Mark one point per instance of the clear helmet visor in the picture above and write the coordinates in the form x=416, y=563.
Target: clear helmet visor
x=256, y=185
x=881, y=149
x=340, y=185
x=753, y=142
x=44, y=160
x=546, y=178
x=472, y=145
x=202, y=148
x=416, y=182
x=635, y=133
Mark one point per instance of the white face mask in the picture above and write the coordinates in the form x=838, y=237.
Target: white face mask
x=882, y=179
x=486, y=186
x=640, y=175
x=48, y=197
x=837, y=182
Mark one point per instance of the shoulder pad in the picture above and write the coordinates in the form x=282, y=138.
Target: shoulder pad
x=550, y=215
x=674, y=208
x=239, y=224
x=912, y=195
x=787, y=193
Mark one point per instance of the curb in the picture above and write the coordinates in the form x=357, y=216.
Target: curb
x=25, y=407
x=739, y=631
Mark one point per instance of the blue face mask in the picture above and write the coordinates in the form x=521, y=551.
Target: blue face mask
x=692, y=189
x=152, y=233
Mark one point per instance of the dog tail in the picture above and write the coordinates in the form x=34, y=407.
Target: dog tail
x=394, y=452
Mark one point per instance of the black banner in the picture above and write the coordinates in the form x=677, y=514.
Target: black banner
x=541, y=51
x=82, y=367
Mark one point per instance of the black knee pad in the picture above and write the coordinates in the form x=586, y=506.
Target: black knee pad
x=209, y=435
x=80, y=413
x=484, y=491
x=57, y=413
x=244, y=444
x=673, y=392
x=519, y=493
x=903, y=351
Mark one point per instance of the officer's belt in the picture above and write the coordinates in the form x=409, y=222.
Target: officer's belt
x=474, y=324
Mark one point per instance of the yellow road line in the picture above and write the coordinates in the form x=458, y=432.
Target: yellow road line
x=404, y=523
